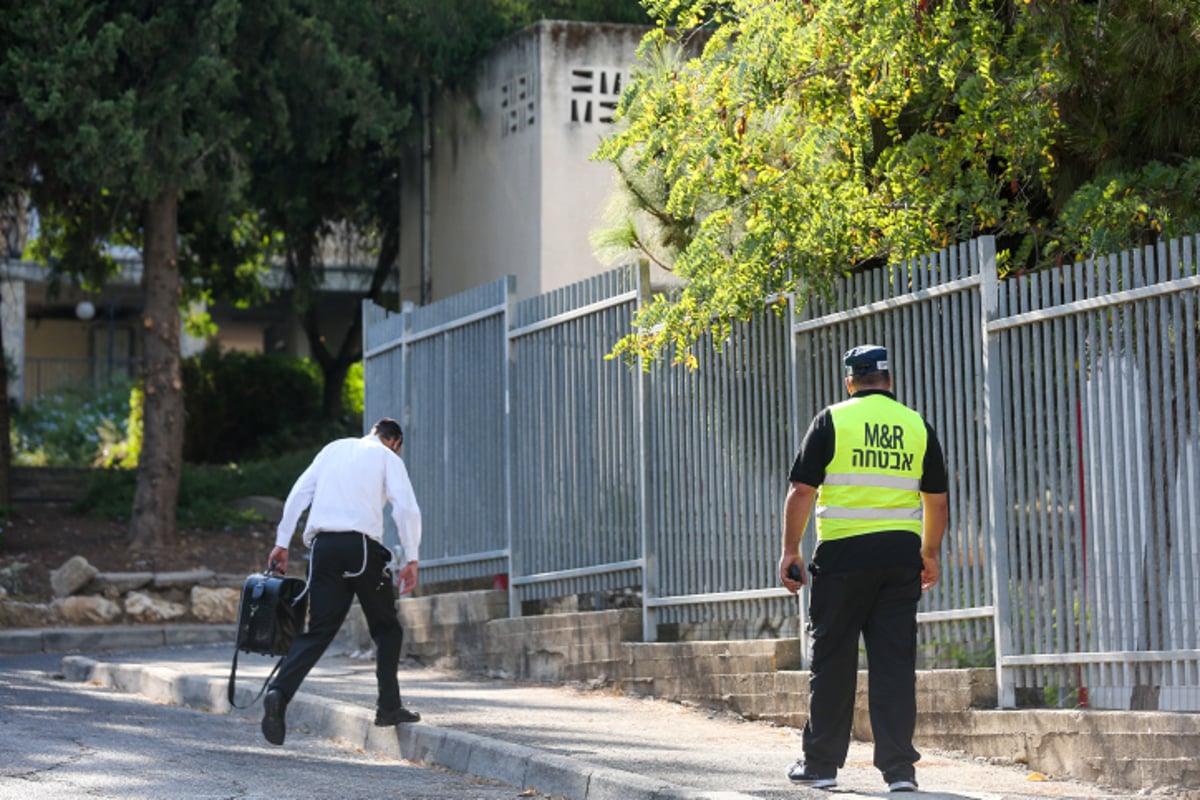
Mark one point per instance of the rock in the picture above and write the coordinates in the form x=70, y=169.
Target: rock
x=3, y=593
x=143, y=607
x=215, y=605
x=183, y=580
x=14, y=614
x=115, y=584
x=72, y=576
x=89, y=610
x=269, y=508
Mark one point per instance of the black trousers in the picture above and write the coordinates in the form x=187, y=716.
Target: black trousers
x=332, y=586
x=881, y=604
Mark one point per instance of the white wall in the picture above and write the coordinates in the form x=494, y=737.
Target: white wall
x=584, y=70
x=514, y=191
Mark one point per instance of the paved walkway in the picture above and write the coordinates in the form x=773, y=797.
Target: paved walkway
x=562, y=741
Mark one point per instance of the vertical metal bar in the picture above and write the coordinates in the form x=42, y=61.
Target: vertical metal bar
x=647, y=500
x=506, y=320
x=800, y=346
x=996, y=488
x=1025, y=567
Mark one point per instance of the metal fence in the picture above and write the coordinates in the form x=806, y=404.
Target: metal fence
x=1066, y=402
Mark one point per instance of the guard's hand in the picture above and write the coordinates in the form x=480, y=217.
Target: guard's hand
x=406, y=579
x=278, y=560
x=929, y=575
x=791, y=572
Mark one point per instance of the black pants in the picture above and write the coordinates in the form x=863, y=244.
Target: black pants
x=881, y=604
x=334, y=556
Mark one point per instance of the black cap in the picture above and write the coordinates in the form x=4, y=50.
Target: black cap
x=866, y=358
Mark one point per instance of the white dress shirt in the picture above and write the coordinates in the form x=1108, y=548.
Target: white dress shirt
x=347, y=485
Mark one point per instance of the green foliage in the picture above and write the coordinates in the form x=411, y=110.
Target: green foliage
x=75, y=426
x=806, y=141
x=353, y=395
x=626, y=11
x=237, y=405
x=123, y=448
x=205, y=491
x=113, y=102
x=245, y=405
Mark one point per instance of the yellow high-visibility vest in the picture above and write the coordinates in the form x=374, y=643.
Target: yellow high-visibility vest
x=873, y=482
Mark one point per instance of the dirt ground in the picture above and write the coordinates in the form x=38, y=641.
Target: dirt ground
x=42, y=536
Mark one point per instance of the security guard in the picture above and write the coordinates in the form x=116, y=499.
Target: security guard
x=873, y=470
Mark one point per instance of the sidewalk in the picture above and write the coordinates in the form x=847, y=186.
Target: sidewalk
x=562, y=741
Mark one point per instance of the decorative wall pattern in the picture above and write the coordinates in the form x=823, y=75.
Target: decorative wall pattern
x=518, y=104
x=594, y=93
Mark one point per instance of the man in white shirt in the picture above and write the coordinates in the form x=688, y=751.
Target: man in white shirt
x=345, y=489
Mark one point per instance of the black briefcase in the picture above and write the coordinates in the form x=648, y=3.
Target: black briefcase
x=271, y=612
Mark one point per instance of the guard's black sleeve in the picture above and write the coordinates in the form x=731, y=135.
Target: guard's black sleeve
x=934, y=479
x=816, y=451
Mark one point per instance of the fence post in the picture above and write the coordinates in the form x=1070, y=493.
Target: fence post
x=406, y=311
x=997, y=490
x=514, y=600
x=649, y=554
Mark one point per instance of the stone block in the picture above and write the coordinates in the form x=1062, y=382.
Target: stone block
x=143, y=607
x=115, y=584
x=215, y=605
x=72, y=576
x=18, y=614
x=88, y=610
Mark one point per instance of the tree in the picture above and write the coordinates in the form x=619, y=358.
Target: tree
x=334, y=138
x=810, y=139
x=116, y=110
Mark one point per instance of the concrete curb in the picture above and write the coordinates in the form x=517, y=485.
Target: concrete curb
x=27, y=641
x=516, y=765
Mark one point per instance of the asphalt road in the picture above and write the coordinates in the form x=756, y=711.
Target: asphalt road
x=65, y=740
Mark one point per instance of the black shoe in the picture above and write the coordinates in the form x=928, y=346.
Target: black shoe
x=903, y=785
x=805, y=775
x=274, y=708
x=395, y=716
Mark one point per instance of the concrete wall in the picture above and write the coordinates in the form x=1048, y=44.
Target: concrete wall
x=584, y=70
x=762, y=679
x=513, y=189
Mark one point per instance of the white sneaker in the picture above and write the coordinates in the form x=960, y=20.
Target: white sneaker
x=801, y=774
x=902, y=786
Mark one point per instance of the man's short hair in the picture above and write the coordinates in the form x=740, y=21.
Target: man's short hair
x=387, y=428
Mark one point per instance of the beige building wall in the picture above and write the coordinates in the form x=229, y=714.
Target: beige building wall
x=585, y=69
x=513, y=189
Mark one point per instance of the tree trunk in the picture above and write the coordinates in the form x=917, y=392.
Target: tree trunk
x=5, y=433
x=157, y=493
x=335, y=366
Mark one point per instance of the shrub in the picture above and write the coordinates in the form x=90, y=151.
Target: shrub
x=72, y=426
x=352, y=396
x=205, y=491
x=243, y=405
